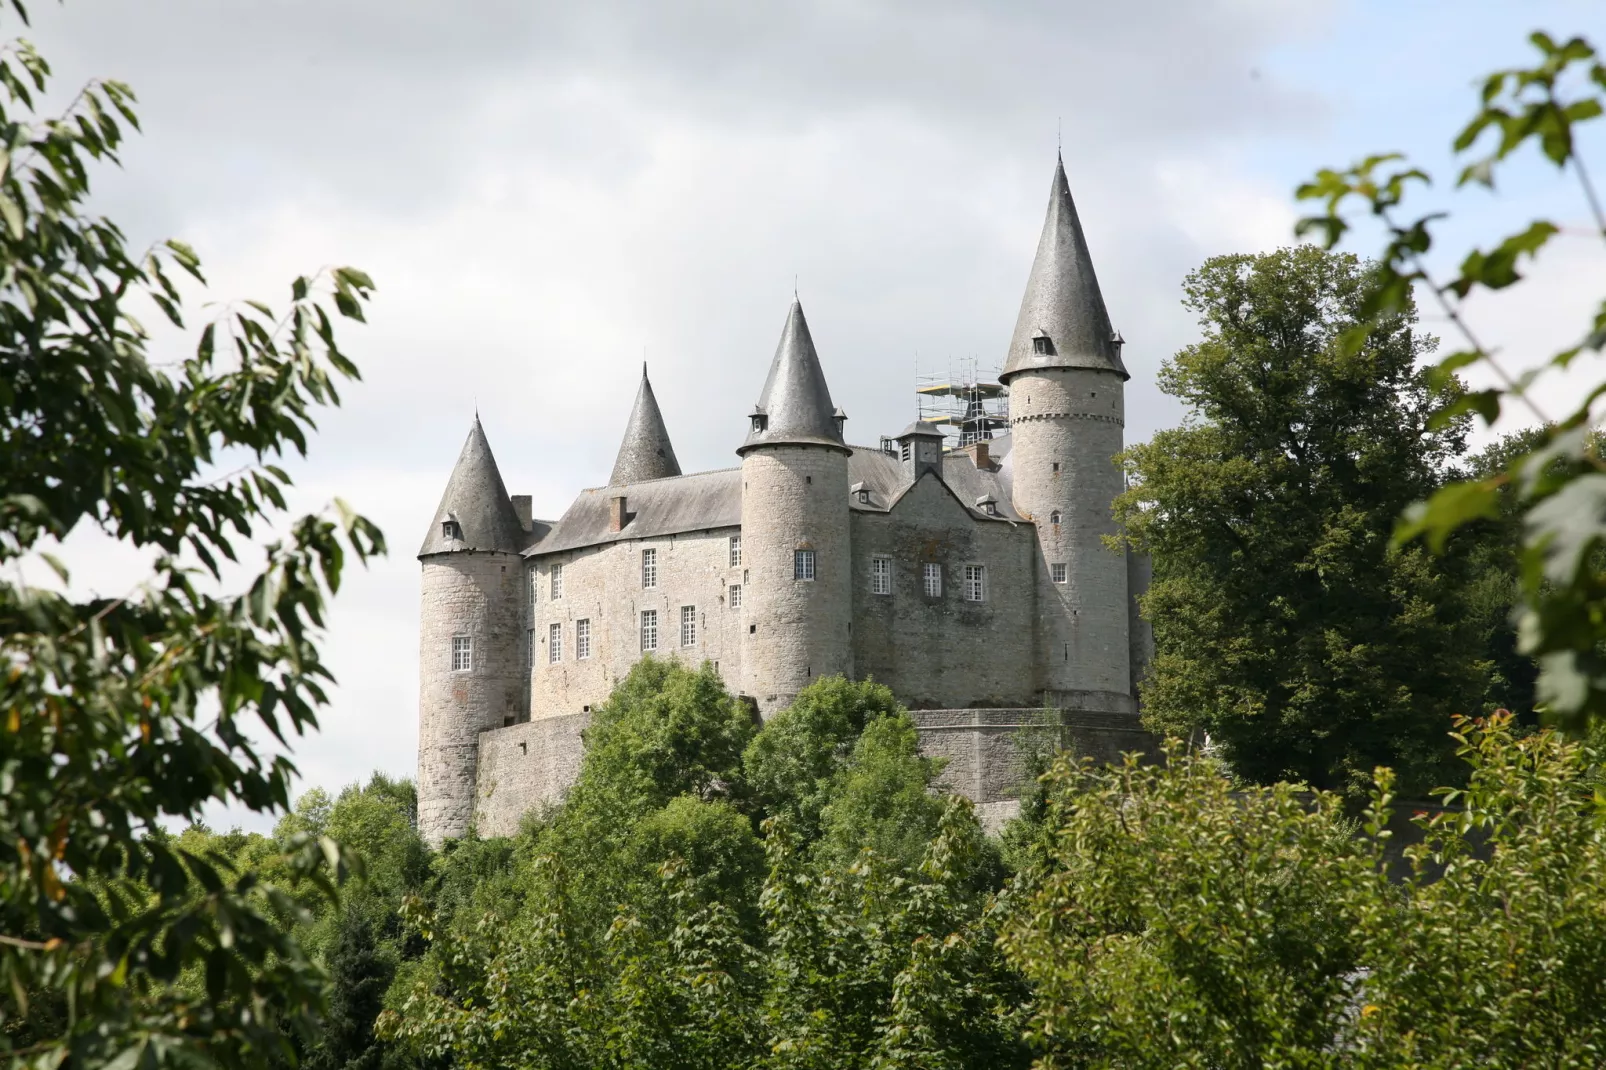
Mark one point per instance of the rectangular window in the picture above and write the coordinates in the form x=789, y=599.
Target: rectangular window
x=1056, y=572
x=554, y=644
x=736, y=596
x=529, y=652
x=688, y=625
x=462, y=653
x=933, y=578
x=803, y=565
x=881, y=575
x=975, y=583
x=649, y=629
x=649, y=569
x=736, y=551
x=557, y=582
x=582, y=639
x=533, y=576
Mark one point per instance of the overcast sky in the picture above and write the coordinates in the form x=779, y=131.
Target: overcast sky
x=545, y=192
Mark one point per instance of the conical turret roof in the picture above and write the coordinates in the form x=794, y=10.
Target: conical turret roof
x=477, y=502
x=795, y=407
x=1063, y=323
x=645, y=453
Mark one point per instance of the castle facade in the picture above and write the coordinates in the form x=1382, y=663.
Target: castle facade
x=974, y=581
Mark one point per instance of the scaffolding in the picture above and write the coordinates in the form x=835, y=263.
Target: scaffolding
x=968, y=404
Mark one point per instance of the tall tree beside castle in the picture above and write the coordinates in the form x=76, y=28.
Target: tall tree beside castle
x=1286, y=626
x=975, y=582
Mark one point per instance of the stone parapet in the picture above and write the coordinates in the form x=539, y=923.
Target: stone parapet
x=989, y=751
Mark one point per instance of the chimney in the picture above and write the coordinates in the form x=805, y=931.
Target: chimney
x=980, y=454
x=521, y=506
x=617, y=517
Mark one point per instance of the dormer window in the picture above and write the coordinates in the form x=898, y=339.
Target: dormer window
x=861, y=492
x=761, y=420
x=450, y=530
x=1054, y=518
x=987, y=504
x=864, y=497
x=1043, y=345
x=903, y=451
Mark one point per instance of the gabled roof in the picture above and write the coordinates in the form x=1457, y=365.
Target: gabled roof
x=645, y=452
x=795, y=406
x=1062, y=303
x=672, y=506
x=476, y=499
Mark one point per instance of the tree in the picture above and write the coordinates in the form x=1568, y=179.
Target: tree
x=1286, y=625
x=125, y=713
x=359, y=974
x=1559, y=482
x=1177, y=919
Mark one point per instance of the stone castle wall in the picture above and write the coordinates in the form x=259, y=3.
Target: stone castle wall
x=1066, y=428
x=526, y=768
x=603, y=585
x=472, y=594
x=944, y=650
x=794, y=498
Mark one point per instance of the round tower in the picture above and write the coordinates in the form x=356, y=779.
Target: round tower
x=471, y=659
x=796, y=598
x=1066, y=415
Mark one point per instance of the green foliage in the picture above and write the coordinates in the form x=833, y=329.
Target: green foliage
x=1559, y=482
x=1177, y=922
x=1286, y=625
x=644, y=922
x=359, y=974
x=125, y=713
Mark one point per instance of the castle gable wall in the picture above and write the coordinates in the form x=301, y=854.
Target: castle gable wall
x=944, y=651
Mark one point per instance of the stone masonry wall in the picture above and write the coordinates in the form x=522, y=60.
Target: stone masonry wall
x=794, y=498
x=1066, y=426
x=473, y=594
x=945, y=651
x=987, y=750
x=526, y=767
x=603, y=585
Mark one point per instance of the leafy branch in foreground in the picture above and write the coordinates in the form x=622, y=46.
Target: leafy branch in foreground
x=1560, y=483
x=123, y=715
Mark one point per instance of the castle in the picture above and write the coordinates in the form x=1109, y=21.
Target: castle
x=974, y=581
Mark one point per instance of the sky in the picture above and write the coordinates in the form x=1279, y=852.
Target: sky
x=548, y=193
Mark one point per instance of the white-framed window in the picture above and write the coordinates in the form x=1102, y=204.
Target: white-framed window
x=1056, y=572
x=462, y=653
x=533, y=584
x=649, y=629
x=1054, y=518
x=688, y=625
x=881, y=575
x=975, y=583
x=736, y=551
x=803, y=564
x=649, y=568
x=736, y=596
x=554, y=644
x=744, y=577
x=582, y=638
x=557, y=582
x=931, y=573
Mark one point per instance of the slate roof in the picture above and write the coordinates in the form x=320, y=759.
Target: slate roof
x=672, y=506
x=1062, y=301
x=476, y=498
x=645, y=452
x=795, y=402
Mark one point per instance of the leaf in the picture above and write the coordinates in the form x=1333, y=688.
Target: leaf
x=1567, y=525
x=1449, y=509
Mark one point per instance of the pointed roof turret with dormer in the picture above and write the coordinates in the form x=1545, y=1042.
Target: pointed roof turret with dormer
x=475, y=512
x=795, y=407
x=645, y=452
x=1063, y=322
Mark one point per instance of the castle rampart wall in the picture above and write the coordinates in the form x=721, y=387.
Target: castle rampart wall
x=526, y=767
